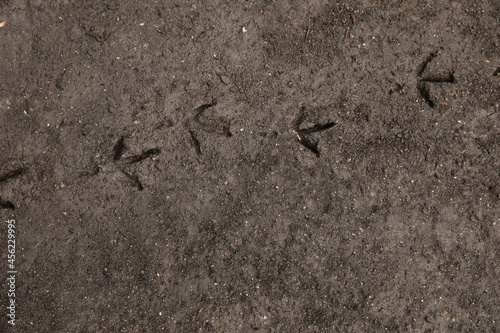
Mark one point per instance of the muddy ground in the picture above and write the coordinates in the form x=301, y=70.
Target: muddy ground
x=251, y=166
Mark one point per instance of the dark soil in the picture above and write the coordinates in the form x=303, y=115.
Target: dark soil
x=251, y=166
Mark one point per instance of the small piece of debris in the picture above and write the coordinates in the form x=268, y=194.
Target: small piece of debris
x=244, y=30
x=2, y=24
x=225, y=79
x=307, y=33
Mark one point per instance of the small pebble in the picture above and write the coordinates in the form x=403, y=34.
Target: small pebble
x=225, y=79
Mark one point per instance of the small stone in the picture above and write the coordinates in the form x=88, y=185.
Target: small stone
x=225, y=79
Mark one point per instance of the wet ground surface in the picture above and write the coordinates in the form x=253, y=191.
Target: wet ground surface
x=251, y=166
